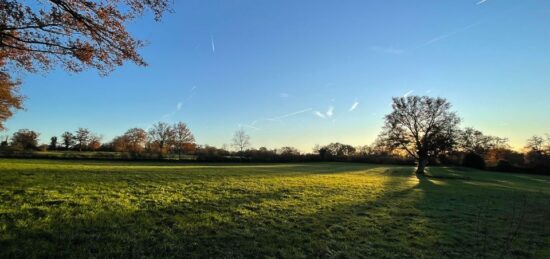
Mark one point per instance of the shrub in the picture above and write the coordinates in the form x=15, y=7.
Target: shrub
x=505, y=166
x=473, y=160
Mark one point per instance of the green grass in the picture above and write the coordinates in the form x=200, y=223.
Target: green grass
x=124, y=209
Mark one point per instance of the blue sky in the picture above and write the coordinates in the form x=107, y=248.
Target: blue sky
x=289, y=72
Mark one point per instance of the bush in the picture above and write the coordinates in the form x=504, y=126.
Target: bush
x=473, y=160
x=505, y=166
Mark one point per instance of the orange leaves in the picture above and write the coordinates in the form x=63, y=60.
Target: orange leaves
x=10, y=99
x=76, y=34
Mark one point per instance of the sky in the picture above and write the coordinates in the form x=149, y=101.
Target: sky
x=300, y=73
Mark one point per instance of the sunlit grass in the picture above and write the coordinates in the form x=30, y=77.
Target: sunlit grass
x=113, y=209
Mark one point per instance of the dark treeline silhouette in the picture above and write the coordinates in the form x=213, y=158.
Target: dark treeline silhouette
x=420, y=131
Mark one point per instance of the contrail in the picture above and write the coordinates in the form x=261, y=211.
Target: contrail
x=481, y=2
x=293, y=113
x=444, y=36
x=212, y=42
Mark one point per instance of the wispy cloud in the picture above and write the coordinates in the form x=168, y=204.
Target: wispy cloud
x=353, y=106
x=290, y=114
x=481, y=2
x=330, y=111
x=250, y=126
x=279, y=118
x=212, y=44
x=328, y=114
x=284, y=95
x=179, y=105
x=408, y=93
x=447, y=35
x=387, y=50
x=319, y=114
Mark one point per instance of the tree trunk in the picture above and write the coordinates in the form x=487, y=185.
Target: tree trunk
x=421, y=166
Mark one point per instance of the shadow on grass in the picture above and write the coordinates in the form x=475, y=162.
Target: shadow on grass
x=426, y=216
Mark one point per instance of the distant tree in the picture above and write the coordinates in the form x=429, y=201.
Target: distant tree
x=135, y=139
x=538, y=154
x=161, y=135
x=94, y=142
x=120, y=144
x=25, y=139
x=53, y=143
x=536, y=144
x=421, y=126
x=183, y=139
x=68, y=140
x=473, y=160
x=10, y=99
x=286, y=151
x=241, y=140
x=322, y=151
x=82, y=137
x=4, y=142
x=471, y=140
x=341, y=150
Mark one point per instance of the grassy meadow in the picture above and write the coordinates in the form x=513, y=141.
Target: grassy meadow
x=322, y=210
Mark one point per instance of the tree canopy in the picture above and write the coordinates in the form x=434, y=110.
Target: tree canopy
x=77, y=34
x=422, y=126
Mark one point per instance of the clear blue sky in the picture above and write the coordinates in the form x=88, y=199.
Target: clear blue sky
x=277, y=67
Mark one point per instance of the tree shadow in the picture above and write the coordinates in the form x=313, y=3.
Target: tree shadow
x=412, y=216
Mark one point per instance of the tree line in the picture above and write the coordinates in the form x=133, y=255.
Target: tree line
x=161, y=138
x=420, y=130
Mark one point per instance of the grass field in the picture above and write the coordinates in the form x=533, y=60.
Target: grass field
x=114, y=209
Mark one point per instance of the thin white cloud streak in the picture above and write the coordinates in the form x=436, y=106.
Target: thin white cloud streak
x=444, y=36
x=387, y=50
x=408, y=93
x=319, y=114
x=353, y=106
x=179, y=105
x=290, y=114
x=248, y=126
x=280, y=118
x=481, y=2
x=212, y=44
x=328, y=114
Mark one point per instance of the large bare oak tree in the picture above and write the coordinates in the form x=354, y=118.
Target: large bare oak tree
x=421, y=126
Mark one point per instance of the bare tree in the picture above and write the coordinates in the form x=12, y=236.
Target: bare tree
x=535, y=143
x=94, y=142
x=421, y=126
x=135, y=139
x=241, y=140
x=183, y=138
x=68, y=139
x=474, y=141
x=161, y=135
x=82, y=136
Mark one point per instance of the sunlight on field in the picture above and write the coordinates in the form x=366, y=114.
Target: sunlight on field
x=113, y=209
